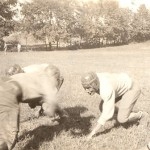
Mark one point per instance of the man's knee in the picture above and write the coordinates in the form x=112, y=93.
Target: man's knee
x=101, y=106
x=11, y=141
x=3, y=146
x=122, y=119
x=61, y=80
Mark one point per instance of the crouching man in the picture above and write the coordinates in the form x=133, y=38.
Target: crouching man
x=113, y=88
x=36, y=89
x=16, y=69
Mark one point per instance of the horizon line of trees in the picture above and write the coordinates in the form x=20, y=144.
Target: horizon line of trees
x=86, y=25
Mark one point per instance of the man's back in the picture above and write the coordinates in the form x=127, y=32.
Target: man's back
x=119, y=82
x=35, y=85
x=35, y=68
x=7, y=89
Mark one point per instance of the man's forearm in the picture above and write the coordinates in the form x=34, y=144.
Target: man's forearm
x=95, y=130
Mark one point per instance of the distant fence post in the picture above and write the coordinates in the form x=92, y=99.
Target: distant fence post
x=50, y=46
x=46, y=45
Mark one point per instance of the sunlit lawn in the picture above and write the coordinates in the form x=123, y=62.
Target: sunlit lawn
x=70, y=134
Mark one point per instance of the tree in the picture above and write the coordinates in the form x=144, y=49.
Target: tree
x=6, y=17
x=140, y=24
x=46, y=20
x=91, y=23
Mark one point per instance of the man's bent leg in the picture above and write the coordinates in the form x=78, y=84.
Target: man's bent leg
x=11, y=128
x=3, y=145
x=126, y=105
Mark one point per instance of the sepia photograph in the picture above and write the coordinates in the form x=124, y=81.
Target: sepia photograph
x=74, y=74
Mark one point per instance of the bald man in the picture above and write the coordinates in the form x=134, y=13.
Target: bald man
x=36, y=89
x=15, y=69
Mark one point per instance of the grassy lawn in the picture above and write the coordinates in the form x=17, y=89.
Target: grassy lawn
x=40, y=134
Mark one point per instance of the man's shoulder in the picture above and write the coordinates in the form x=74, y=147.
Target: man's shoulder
x=107, y=75
x=104, y=77
x=35, y=67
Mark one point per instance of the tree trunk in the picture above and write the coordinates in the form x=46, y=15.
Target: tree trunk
x=26, y=43
x=57, y=44
x=70, y=40
x=50, y=46
x=45, y=43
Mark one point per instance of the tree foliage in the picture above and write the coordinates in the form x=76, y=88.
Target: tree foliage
x=6, y=17
x=95, y=24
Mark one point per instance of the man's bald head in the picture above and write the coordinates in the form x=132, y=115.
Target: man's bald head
x=53, y=71
x=15, y=69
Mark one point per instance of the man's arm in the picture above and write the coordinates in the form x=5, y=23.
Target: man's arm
x=108, y=111
x=50, y=105
x=94, y=131
x=61, y=112
x=12, y=128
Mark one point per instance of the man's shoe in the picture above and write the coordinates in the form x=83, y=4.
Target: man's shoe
x=144, y=119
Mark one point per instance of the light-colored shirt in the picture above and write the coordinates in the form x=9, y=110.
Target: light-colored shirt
x=37, y=86
x=9, y=107
x=112, y=86
x=35, y=68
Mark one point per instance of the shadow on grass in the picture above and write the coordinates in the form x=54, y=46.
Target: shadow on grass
x=117, y=125
x=46, y=133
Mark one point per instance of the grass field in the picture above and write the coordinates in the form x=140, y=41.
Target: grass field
x=39, y=134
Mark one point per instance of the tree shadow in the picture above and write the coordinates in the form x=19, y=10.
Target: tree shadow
x=75, y=122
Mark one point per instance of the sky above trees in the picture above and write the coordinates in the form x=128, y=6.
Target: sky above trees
x=132, y=4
